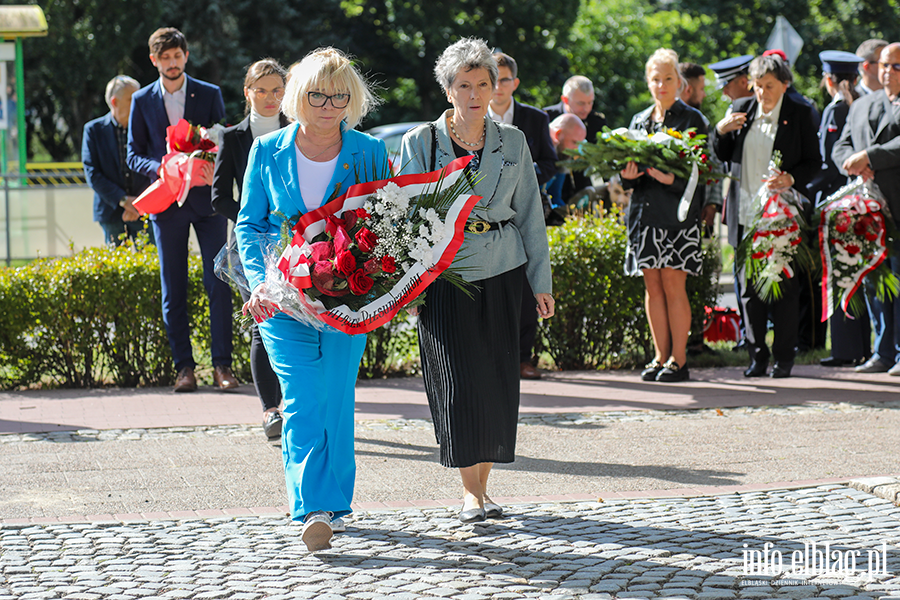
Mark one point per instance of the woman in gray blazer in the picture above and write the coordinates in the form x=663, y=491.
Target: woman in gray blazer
x=469, y=346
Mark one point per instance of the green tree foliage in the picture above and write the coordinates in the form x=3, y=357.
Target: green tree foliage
x=397, y=41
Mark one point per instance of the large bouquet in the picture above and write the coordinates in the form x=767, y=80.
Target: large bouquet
x=852, y=242
x=356, y=261
x=682, y=153
x=189, y=146
x=772, y=246
x=677, y=152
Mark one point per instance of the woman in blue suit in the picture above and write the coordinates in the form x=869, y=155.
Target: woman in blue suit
x=293, y=171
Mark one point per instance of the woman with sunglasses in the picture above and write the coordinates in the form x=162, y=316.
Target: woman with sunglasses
x=291, y=172
x=263, y=89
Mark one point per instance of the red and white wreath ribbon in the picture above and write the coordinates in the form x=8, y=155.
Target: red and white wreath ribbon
x=855, y=204
x=295, y=261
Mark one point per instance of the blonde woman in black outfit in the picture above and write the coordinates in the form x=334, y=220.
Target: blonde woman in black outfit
x=662, y=247
x=263, y=89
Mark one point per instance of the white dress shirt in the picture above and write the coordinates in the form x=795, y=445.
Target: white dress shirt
x=758, y=147
x=506, y=117
x=174, y=102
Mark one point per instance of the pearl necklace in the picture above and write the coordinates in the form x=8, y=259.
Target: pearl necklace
x=302, y=151
x=470, y=144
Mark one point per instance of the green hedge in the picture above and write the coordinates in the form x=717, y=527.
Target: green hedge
x=94, y=318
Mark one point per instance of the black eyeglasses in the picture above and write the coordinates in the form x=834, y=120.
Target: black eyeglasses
x=318, y=99
x=892, y=66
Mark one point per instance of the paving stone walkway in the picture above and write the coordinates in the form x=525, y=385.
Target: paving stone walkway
x=666, y=548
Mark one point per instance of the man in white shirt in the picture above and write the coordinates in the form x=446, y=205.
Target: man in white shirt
x=164, y=102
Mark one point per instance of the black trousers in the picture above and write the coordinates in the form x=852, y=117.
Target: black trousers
x=784, y=314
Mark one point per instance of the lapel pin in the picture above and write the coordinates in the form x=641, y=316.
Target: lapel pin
x=784, y=122
x=346, y=166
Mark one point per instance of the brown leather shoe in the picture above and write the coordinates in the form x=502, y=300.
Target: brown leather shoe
x=224, y=379
x=527, y=371
x=185, y=380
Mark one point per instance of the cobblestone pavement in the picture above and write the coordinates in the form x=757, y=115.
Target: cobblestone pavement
x=668, y=548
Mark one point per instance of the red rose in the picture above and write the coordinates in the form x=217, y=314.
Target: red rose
x=692, y=134
x=350, y=219
x=360, y=283
x=324, y=280
x=341, y=240
x=332, y=224
x=388, y=264
x=703, y=158
x=362, y=214
x=842, y=222
x=366, y=240
x=321, y=251
x=852, y=249
x=345, y=262
x=371, y=266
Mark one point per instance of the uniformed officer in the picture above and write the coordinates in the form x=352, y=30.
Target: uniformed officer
x=731, y=76
x=850, y=338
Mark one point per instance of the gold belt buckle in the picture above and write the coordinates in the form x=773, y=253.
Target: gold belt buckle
x=478, y=226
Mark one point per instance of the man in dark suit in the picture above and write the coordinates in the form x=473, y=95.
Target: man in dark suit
x=869, y=51
x=162, y=103
x=104, y=148
x=535, y=124
x=870, y=147
x=578, y=98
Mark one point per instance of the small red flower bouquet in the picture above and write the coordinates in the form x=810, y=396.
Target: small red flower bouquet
x=189, y=147
x=356, y=261
x=852, y=242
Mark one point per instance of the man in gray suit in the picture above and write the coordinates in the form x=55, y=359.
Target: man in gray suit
x=870, y=147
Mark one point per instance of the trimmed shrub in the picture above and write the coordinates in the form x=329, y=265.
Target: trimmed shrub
x=95, y=319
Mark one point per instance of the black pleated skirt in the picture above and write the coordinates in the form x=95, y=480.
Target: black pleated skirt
x=470, y=362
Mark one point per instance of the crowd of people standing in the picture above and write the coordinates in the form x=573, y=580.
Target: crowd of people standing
x=298, y=145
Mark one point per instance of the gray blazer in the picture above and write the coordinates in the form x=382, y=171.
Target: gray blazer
x=873, y=125
x=509, y=191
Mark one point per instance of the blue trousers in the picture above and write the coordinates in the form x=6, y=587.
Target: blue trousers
x=317, y=371
x=886, y=317
x=172, y=231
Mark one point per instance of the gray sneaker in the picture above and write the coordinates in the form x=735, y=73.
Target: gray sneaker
x=317, y=531
x=338, y=525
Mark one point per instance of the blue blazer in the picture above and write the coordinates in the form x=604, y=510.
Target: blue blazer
x=100, y=155
x=147, y=131
x=271, y=185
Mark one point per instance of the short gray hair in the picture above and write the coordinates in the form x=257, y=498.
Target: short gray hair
x=870, y=49
x=467, y=54
x=578, y=82
x=117, y=84
x=774, y=64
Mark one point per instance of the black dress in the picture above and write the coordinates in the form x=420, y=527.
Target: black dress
x=470, y=364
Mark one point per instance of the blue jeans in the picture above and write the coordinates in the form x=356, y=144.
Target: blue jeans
x=885, y=316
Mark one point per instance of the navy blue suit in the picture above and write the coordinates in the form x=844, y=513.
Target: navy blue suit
x=146, y=148
x=102, y=169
